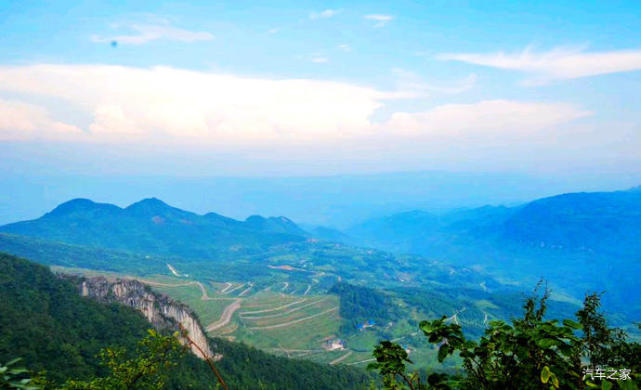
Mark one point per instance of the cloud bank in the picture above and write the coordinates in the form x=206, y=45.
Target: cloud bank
x=163, y=104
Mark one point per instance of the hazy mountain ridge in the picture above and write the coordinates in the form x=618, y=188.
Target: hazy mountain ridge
x=608, y=222
x=152, y=226
x=583, y=241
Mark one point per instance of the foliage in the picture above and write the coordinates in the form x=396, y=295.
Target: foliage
x=55, y=330
x=12, y=377
x=148, y=369
x=52, y=328
x=361, y=304
x=530, y=353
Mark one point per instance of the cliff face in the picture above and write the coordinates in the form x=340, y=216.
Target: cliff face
x=160, y=310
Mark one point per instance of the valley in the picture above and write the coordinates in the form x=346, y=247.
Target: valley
x=268, y=284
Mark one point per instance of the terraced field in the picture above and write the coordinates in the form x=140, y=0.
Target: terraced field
x=287, y=318
x=269, y=318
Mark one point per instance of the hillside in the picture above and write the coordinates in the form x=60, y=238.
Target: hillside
x=599, y=222
x=150, y=226
x=580, y=241
x=284, y=300
x=47, y=323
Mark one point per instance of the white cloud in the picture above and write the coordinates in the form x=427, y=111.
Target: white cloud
x=130, y=103
x=556, y=64
x=345, y=47
x=489, y=118
x=381, y=19
x=326, y=14
x=171, y=106
x=19, y=121
x=145, y=33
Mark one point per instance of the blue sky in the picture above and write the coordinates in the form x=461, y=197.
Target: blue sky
x=312, y=88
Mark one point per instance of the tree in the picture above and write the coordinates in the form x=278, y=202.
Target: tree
x=148, y=369
x=530, y=353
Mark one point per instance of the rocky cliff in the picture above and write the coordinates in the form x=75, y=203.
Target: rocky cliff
x=160, y=310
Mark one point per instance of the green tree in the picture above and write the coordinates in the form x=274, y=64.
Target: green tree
x=530, y=353
x=148, y=369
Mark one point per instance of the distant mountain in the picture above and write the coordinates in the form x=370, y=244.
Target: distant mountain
x=429, y=234
x=151, y=226
x=607, y=223
x=602, y=222
x=578, y=241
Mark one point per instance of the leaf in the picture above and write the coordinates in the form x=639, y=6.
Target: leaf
x=572, y=324
x=605, y=385
x=627, y=385
x=545, y=374
x=546, y=343
x=442, y=352
x=426, y=327
x=555, y=381
x=14, y=361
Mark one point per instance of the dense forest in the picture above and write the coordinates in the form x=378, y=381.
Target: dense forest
x=362, y=305
x=60, y=334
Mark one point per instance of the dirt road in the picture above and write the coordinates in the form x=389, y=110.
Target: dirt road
x=225, y=318
x=284, y=324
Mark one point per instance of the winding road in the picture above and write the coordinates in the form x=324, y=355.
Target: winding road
x=225, y=318
x=285, y=312
x=284, y=324
x=340, y=359
x=272, y=309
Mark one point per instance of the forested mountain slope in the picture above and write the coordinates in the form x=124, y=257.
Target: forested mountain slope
x=153, y=227
x=46, y=322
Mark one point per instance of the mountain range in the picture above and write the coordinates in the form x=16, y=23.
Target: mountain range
x=599, y=223
x=151, y=226
x=578, y=241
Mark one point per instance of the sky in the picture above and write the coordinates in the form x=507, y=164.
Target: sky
x=305, y=88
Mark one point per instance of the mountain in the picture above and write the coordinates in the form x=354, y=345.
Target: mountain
x=602, y=222
x=429, y=234
x=47, y=323
x=607, y=223
x=151, y=226
x=578, y=241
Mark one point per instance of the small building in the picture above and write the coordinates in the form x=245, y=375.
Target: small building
x=366, y=324
x=334, y=345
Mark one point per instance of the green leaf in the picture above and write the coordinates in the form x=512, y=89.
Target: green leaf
x=442, y=352
x=14, y=361
x=605, y=385
x=555, y=381
x=627, y=385
x=546, y=343
x=572, y=324
x=545, y=374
